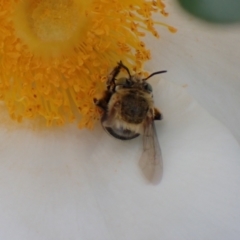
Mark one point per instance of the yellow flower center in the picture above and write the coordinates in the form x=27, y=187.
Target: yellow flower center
x=54, y=20
x=49, y=27
x=55, y=55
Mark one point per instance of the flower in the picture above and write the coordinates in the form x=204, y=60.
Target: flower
x=55, y=55
x=68, y=184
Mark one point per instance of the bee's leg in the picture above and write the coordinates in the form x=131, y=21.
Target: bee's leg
x=123, y=66
x=113, y=74
x=157, y=114
x=103, y=102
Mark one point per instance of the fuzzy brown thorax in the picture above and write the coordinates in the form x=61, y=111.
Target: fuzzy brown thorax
x=134, y=108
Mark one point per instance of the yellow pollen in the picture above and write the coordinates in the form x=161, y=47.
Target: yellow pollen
x=50, y=28
x=55, y=55
x=54, y=20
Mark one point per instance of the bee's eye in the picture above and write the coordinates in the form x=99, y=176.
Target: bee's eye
x=148, y=87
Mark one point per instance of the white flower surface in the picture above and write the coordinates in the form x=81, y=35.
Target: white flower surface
x=77, y=184
x=205, y=58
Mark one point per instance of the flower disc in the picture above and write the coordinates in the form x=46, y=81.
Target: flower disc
x=55, y=55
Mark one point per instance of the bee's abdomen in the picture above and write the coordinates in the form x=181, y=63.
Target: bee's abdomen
x=134, y=108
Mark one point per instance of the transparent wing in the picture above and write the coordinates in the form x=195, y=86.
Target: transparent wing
x=151, y=160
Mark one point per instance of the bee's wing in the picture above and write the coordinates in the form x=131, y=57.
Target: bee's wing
x=151, y=159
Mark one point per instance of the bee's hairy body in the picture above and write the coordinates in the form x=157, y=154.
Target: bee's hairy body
x=128, y=111
x=127, y=105
x=134, y=108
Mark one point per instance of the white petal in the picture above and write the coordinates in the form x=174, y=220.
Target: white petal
x=205, y=58
x=72, y=184
x=68, y=184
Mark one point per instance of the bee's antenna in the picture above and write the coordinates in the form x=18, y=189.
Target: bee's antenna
x=123, y=66
x=155, y=73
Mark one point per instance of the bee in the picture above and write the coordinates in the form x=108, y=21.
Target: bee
x=128, y=111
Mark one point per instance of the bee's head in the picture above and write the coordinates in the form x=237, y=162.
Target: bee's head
x=136, y=81
x=124, y=82
x=131, y=81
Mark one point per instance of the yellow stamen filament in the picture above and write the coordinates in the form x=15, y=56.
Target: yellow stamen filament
x=55, y=55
